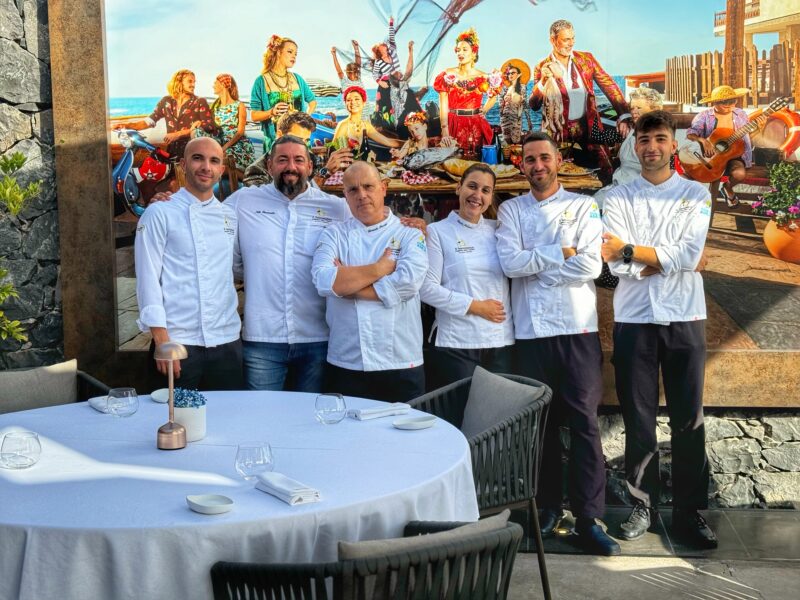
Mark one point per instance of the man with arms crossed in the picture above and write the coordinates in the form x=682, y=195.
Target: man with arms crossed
x=370, y=269
x=548, y=242
x=656, y=229
x=184, y=281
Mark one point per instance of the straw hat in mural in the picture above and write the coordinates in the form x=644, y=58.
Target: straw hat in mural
x=724, y=92
x=519, y=65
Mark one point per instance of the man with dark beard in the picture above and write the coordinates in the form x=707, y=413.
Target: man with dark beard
x=285, y=337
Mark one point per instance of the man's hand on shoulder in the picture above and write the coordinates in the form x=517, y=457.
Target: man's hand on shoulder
x=415, y=223
x=159, y=197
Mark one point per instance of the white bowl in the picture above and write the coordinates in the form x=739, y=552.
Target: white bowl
x=415, y=422
x=161, y=396
x=209, y=504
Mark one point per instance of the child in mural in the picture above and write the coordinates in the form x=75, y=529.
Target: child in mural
x=230, y=116
x=182, y=111
x=352, y=72
x=385, y=60
x=417, y=125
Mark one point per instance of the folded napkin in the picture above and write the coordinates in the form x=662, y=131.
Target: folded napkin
x=99, y=403
x=290, y=491
x=363, y=414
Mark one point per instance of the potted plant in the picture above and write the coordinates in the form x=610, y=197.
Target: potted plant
x=782, y=205
x=190, y=411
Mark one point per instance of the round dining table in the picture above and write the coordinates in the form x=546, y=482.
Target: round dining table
x=103, y=514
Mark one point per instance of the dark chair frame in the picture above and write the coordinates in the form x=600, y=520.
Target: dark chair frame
x=477, y=567
x=88, y=386
x=505, y=457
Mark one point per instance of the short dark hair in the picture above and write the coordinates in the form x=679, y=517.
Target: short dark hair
x=539, y=136
x=656, y=119
x=295, y=117
x=290, y=139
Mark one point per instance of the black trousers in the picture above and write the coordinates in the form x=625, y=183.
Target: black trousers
x=210, y=369
x=393, y=385
x=571, y=366
x=679, y=349
x=451, y=364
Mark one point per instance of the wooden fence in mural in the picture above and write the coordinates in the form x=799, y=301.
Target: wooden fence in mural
x=768, y=75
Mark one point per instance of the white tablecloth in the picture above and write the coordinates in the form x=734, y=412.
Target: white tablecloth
x=103, y=514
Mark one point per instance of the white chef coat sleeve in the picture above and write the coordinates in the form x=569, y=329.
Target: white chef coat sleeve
x=151, y=240
x=238, y=263
x=323, y=269
x=587, y=264
x=432, y=291
x=515, y=260
x=686, y=253
x=614, y=223
x=412, y=265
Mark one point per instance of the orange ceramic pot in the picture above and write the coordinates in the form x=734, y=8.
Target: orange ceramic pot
x=783, y=243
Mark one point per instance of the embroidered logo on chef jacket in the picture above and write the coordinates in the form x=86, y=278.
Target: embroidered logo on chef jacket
x=140, y=227
x=567, y=218
x=227, y=227
x=706, y=210
x=265, y=212
x=394, y=245
x=421, y=242
x=463, y=248
x=595, y=211
x=321, y=217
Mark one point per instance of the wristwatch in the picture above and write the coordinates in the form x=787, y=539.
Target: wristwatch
x=323, y=172
x=627, y=253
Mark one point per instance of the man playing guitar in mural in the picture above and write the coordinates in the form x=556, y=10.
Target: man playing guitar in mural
x=723, y=134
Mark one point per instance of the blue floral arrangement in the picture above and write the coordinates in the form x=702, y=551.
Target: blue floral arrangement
x=188, y=398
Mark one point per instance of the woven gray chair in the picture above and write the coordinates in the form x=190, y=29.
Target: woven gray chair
x=505, y=456
x=477, y=567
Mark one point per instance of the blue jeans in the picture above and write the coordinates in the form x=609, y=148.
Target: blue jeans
x=289, y=367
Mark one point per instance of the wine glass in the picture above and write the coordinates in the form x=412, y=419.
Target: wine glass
x=253, y=458
x=330, y=408
x=20, y=450
x=122, y=402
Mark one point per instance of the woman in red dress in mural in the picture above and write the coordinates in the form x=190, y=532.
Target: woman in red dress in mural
x=461, y=90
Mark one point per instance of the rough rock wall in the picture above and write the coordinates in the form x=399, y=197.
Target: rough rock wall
x=29, y=242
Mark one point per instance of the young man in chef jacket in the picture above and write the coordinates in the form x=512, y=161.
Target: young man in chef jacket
x=370, y=270
x=548, y=242
x=184, y=279
x=656, y=230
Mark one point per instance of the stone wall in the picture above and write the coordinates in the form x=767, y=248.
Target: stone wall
x=754, y=458
x=29, y=242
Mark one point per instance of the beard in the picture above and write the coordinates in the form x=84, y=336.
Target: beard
x=290, y=190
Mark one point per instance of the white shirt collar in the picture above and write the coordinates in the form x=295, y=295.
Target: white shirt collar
x=461, y=221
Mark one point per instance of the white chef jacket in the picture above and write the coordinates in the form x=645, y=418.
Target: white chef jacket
x=463, y=266
x=184, y=282
x=549, y=295
x=273, y=252
x=367, y=335
x=672, y=217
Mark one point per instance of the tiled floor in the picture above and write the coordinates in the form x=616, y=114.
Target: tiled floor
x=742, y=534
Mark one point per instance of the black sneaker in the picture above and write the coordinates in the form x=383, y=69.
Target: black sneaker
x=637, y=523
x=690, y=527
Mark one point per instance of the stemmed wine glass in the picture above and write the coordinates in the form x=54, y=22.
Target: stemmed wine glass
x=253, y=458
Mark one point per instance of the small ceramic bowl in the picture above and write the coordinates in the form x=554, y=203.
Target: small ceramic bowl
x=209, y=504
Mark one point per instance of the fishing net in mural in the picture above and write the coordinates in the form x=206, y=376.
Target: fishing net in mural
x=428, y=23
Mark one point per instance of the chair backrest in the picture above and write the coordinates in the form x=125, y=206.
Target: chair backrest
x=476, y=567
x=24, y=389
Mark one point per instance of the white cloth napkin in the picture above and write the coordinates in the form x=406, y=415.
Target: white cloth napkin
x=364, y=414
x=290, y=491
x=99, y=403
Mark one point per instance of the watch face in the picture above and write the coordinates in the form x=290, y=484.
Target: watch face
x=627, y=251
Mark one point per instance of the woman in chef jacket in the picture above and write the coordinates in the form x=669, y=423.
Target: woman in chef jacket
x=467, y=287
